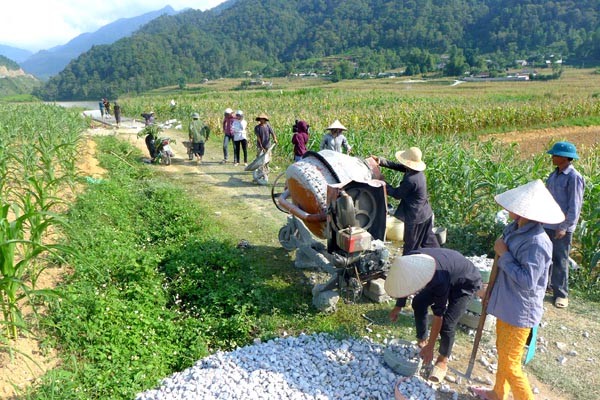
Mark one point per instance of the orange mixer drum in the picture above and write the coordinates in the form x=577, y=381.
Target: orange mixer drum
x=308, y=178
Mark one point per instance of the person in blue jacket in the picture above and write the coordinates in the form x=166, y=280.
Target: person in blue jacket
x=566, y=185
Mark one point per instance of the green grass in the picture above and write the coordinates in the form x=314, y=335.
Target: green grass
x=159, y=283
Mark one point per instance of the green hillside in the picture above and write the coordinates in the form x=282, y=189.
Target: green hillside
x=8, y=63
x=14, y=84
x=278, y=37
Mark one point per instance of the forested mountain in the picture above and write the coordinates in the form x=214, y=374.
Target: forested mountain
x=277, y=37
x=46, y=63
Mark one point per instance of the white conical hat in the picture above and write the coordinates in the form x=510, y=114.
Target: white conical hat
x=409, y=274
x=411, y=158
x=532, y=201
x=336, y=125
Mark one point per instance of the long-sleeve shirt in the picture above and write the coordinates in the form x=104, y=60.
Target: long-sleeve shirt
x=299, y=140
x=335, y=143
x=520, y=286
x=239, y=130
x=454, y=275
x=198, y=132
x=228, y=126
x=567, y=189
x=414, y=207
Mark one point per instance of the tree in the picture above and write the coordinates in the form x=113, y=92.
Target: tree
x=456, y=64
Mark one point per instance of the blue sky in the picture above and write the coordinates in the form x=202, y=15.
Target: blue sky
x=36, y=25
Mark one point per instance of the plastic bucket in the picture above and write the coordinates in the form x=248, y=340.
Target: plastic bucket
x=394, y=229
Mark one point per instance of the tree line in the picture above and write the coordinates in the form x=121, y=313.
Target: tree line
x=342, y=38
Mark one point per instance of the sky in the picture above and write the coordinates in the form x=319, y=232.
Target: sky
x=41, y=24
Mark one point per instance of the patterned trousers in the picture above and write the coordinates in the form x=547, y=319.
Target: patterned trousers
x=510, y=343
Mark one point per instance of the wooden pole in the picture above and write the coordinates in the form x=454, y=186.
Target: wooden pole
x=482, y=318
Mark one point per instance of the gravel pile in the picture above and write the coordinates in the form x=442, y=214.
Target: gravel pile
x=482, y=263
x=304, y=367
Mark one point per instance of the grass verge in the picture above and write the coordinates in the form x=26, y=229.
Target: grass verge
x=159, y=283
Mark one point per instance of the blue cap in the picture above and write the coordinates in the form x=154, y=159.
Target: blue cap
x=564, y=149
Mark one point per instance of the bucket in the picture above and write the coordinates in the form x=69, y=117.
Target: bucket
x=397, y=363
x=394, y=229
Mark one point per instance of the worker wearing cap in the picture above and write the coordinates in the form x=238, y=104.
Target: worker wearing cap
x=198, y=134
x=228, y=119
x=566, y=186
x=414, y=208
x=240, y=137
x=524, y=254
x=444, y=280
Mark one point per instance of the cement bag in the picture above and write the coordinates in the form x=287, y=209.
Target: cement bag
x=308, y=178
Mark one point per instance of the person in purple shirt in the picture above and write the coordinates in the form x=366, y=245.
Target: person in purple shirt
x=228, y=119
x=300, y=139
x=566, y=186
x=524, y=253
x=414, y=208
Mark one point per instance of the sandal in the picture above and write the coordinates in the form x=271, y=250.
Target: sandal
x=561, y=302
x=480, y=392
x=438, y=374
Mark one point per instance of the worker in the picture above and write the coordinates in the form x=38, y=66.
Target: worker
x=414, y=208
x=228, y=119
x=444, y=280
x=335, y=139
x=524, y=253
x=198, y=134
x=566, y=185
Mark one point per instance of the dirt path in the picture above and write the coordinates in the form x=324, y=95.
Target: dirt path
x=233, y=196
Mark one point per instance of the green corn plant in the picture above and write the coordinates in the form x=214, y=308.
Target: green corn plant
x=16, y=254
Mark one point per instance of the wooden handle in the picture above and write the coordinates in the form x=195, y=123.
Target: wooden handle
x=482, y=318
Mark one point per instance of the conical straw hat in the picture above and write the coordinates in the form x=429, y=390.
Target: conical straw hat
x=411, y=158
x=262, y=116
x=336, y=125
x=532, y=201
x=409, y=274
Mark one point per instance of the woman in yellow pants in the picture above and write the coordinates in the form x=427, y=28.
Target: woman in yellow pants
x=524, y=255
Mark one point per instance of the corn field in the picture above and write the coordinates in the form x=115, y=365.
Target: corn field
x=38, y=151
x=464, y=173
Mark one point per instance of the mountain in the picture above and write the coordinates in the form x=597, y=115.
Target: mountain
x=13, y=80
x=46, y=63
x=14, y=53
x=341, y=37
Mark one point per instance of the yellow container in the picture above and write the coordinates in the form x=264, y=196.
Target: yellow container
x=394, y=229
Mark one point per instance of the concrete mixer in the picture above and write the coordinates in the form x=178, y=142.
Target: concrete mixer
x=341, y=200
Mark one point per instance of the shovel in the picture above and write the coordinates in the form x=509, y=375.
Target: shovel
x=479, y=332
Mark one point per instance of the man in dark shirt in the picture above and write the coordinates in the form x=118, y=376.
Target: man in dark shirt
x=446, y=281
x=414, y=209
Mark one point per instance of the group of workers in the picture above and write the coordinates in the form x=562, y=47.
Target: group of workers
x=532, y=257
x=532, y=254
x=234, y=128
